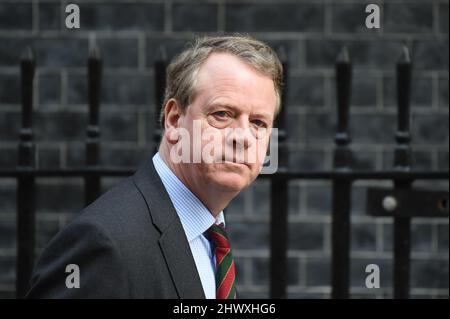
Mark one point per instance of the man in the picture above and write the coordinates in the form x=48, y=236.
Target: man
x=161, y=233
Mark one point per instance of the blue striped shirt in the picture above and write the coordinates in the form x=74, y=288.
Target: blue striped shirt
x=195, y=219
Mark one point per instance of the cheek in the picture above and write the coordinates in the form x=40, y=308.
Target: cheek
x=262, y=147
x=213, y=140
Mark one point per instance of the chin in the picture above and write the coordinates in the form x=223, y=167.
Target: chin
x=232, y=182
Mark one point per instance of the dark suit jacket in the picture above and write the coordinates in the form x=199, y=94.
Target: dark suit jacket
x=129, y=243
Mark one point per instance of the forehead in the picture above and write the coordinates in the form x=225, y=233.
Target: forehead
x=225, y=78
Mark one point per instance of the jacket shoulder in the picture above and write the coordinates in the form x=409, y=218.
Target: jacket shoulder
x=97, y=241
x=79, y=262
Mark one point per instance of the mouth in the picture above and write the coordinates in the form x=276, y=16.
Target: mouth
x=233, y=163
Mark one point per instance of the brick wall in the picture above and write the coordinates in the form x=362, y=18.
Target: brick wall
x=129, y=34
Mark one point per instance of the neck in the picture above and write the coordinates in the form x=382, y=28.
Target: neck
x=214, y=199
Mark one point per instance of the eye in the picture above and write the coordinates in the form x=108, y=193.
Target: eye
x=220, y=114
x=259, y=123
x=220, y=118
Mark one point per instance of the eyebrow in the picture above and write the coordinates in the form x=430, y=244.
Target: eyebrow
x=234, y=108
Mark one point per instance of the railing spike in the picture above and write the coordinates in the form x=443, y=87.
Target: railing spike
x=344, y=56
x=27, y=54
x=94, y=51
x=161, y=54
x=405, y=57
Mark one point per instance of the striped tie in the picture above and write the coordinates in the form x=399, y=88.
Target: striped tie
x=225, y=272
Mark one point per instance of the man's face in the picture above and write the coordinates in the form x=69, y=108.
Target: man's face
x=237, y=103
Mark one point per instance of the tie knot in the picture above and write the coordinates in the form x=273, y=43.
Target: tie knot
x=219, y=236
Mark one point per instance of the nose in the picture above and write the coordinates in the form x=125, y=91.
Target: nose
x=240, y=135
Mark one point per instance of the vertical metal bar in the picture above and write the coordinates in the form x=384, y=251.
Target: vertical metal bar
x=159, y=66
x=402, y=162
x=26, y=185
x=92, y=182
x=279, y=200
x=341, y=185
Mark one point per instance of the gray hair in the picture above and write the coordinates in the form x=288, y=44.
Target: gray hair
x=181, y=74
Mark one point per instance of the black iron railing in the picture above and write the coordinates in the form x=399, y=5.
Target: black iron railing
x=342, y=177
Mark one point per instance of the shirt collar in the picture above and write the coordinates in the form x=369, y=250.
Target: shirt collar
x=195, y=217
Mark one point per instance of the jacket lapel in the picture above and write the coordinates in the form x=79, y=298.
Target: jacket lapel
x=173, y=241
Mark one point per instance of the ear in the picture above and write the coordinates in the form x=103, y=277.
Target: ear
x=172, y=114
